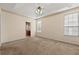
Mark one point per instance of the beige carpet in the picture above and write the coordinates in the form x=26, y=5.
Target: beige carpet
x=38, y=46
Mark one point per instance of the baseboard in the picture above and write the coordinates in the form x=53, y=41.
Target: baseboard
x=12, y=41
x=58, y=41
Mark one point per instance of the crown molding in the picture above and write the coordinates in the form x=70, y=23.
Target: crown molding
x=59, y=11
x=50, y=14
x=2, y=9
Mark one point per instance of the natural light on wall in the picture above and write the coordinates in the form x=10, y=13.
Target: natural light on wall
x=71, y=24
x=39, y=25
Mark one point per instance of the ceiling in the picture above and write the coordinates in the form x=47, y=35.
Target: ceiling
x=28, y=9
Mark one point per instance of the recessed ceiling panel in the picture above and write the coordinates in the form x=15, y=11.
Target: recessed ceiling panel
x=28, y=9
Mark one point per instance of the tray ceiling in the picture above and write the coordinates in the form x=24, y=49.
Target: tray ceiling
x=28, y=9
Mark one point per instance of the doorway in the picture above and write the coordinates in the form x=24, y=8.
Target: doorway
x=28, y=29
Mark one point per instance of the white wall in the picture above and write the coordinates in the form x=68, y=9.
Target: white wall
x=13, y=26
x=53, y=27
x=0, y=26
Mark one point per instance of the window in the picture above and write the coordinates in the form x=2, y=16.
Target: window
x=71, y=24
x=39, y=22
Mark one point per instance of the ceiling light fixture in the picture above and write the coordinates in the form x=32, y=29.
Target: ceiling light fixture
x=38, y=11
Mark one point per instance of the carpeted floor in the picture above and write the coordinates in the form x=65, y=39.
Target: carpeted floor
x=38, y=46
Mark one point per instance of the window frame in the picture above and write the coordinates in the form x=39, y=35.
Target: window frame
x=65, y=25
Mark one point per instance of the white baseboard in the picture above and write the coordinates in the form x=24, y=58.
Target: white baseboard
x=59, y=41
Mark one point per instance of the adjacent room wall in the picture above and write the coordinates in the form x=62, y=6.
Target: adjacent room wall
x=13, y=26
x=33, y=26
x=53, y=27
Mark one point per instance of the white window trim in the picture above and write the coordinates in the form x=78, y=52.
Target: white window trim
x=70, y=18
